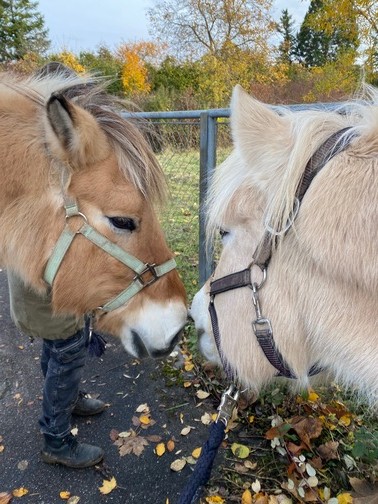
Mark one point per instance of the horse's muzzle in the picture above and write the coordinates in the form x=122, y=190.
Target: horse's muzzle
x=142, y=352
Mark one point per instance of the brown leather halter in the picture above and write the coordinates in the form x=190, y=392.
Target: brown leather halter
x=262, y=326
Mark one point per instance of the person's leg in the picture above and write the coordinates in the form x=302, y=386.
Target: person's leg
x=65, y=361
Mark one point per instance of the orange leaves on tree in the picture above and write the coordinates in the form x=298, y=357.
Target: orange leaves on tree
x=134, y=70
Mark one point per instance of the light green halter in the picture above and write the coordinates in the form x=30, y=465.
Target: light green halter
x=140, y=268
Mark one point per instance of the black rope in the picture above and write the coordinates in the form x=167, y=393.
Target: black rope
x=202, y=470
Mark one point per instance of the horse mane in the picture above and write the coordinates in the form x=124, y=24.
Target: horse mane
x=309, y=129
x=135, y=157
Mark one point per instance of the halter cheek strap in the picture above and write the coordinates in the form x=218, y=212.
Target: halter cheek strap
x=145, y=273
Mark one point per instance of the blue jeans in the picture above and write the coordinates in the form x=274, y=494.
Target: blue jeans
x=62, y=363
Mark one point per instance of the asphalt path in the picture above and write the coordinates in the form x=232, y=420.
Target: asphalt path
x=124, y=384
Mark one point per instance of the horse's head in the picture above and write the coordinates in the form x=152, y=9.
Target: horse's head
x=84, y=154
x=322, y=269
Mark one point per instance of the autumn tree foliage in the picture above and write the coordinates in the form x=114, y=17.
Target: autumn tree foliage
x=134, y=74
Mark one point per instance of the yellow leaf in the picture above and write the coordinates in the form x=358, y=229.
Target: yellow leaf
x=246, y=497
x=214, y=499
x=65, y=495
x=251, y=419
x=145, y=420
x=188, y=366
x=2, y=448
x=196, y=453
x=239, y=450
x=313, y=396
x=345, y=498
x=20, y=492
x=187, y=384
x=345, y=420
x=108, y=486
x=160, y=449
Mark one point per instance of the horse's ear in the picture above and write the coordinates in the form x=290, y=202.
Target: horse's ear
x=259, y=133
x=73, y=134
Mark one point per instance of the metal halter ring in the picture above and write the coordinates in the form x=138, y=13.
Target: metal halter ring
x=77, y=214
x=255, y=285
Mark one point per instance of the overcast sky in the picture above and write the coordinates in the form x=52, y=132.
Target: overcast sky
x=79, y=25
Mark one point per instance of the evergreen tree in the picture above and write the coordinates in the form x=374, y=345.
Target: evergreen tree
x=22, y=30
x=287, y=46
x=316, y=46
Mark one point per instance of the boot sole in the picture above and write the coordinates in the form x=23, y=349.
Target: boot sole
x=50, y=459
x=87, y=413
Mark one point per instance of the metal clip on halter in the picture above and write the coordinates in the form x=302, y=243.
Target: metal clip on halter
x=227, y=404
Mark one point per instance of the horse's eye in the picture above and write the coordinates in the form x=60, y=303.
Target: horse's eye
x=123, y=223
x=223, y=232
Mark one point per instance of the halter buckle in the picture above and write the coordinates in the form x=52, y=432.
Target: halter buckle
x=227, y=404
x=149, y=268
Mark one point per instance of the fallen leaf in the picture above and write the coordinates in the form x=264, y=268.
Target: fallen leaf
x=328, y=450
x=154, y=438
x=108, y=486
x=246, y=497
x=65, y=495
x=201, y=394
x=145, y=419
x=170, y=445
x=196, y=453
x=160, y=449
x=206, y=419
x=22, y=465
x=239, y=450
x=256, y=486
x=143, y=408
x=187, y=384
x=20, y=492
x=185, y=431
x=178, y=464
x=73, y=500
x=188, y=366
x=345, y=498
x=133, y=444
x=307, y=428
x=214, y=499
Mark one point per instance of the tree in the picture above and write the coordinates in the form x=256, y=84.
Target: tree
x=194, y=28
x=321, y=42
x=286, y=48
x=134, y=73
x=360, y=18
x=22, y=30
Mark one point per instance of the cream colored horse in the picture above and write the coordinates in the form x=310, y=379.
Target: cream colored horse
x=63, y=143
x=321, y=291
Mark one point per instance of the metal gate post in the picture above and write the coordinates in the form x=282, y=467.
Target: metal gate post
x=208, y=146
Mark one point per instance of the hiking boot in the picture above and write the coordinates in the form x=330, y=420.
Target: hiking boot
x=86, y=406
x=69, y=452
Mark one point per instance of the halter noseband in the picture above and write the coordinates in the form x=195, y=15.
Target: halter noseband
x=145, y=273
x=262, y=326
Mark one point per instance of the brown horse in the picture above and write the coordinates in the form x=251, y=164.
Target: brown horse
x=316, y=241
x=78, y=196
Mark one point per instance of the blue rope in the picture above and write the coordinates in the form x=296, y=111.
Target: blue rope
x=202, y=471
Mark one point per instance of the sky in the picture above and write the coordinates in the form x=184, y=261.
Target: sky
x=80, y=25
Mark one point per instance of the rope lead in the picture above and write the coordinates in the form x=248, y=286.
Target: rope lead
x=202, y=470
